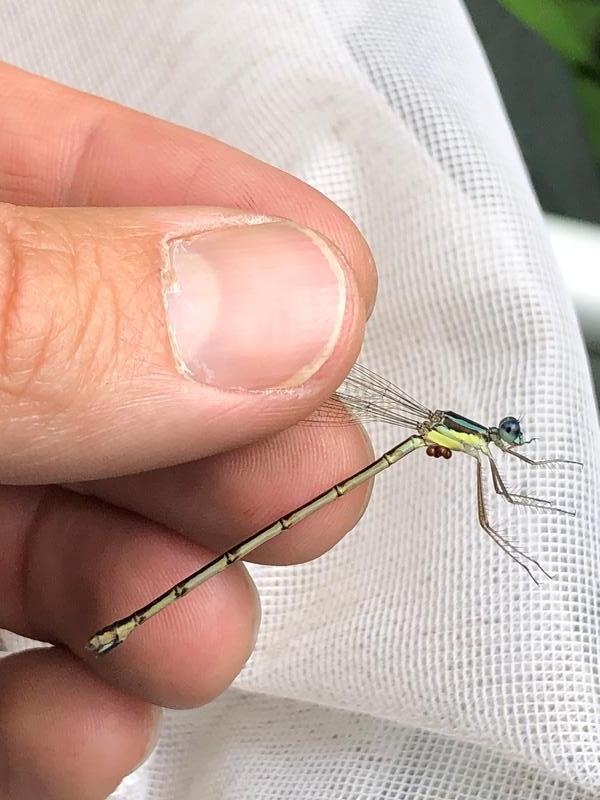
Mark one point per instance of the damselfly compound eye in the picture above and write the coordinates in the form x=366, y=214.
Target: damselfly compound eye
x=510, y=430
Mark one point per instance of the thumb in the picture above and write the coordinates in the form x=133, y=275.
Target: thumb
x=136, y=338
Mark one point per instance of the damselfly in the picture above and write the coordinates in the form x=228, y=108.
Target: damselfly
x=365, y=396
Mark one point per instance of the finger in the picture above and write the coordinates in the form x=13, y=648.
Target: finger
x=73, y=565
x=94, y=153
x=64, y=733
x=132, y=339
x=221, y=500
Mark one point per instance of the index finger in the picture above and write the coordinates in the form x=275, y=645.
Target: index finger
x=97, y=153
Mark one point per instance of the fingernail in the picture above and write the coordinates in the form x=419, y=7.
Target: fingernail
x=153, y=736
x=254, y=306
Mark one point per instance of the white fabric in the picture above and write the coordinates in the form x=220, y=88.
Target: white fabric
x=415, y=660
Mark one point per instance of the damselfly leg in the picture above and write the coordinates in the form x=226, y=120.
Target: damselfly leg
x=517, y=555
x=521, y=499
x=544, y=462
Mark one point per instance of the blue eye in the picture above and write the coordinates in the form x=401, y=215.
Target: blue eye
x=510, y=430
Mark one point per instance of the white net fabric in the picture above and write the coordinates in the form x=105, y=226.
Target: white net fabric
x=415, y=660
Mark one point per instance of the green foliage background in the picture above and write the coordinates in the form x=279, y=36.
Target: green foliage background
x=572, y=27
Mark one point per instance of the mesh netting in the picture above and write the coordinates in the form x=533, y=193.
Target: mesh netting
x=415, y=660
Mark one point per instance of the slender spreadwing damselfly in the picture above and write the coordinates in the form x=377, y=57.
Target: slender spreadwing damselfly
x=365, y=396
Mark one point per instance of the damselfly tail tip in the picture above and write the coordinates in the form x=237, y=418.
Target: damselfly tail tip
x=103, y=642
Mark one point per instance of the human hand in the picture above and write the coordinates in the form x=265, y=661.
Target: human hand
x=107, y=449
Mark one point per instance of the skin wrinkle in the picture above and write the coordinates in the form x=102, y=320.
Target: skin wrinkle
x=9, y=293
x=83, y=336
x=36, y=184
x=151, y=277
x=40, y=359
x=115, y=310
x=11, y=184
x=191, y=192
x=109, y=290
x=83, y=333
x=136, y=363
x=77, y=283
x=99, y=366
x=15, y=194
x=17, y=230
x=82, y=156
x=134, y=345
x=102, y=310
x=10, y=174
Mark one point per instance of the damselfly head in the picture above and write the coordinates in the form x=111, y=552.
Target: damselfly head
x=509, y=430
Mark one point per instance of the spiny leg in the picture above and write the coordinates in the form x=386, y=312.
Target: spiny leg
x=521, y=499
x=503, y=543
x=512, y=452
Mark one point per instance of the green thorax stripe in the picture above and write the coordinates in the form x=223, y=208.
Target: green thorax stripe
x=460, y=424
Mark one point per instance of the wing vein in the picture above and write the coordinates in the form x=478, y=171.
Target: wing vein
x=365, y=396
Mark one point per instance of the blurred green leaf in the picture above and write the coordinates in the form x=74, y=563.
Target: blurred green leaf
x=572, y=28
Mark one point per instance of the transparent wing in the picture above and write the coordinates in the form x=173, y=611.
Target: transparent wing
x=365, y=396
